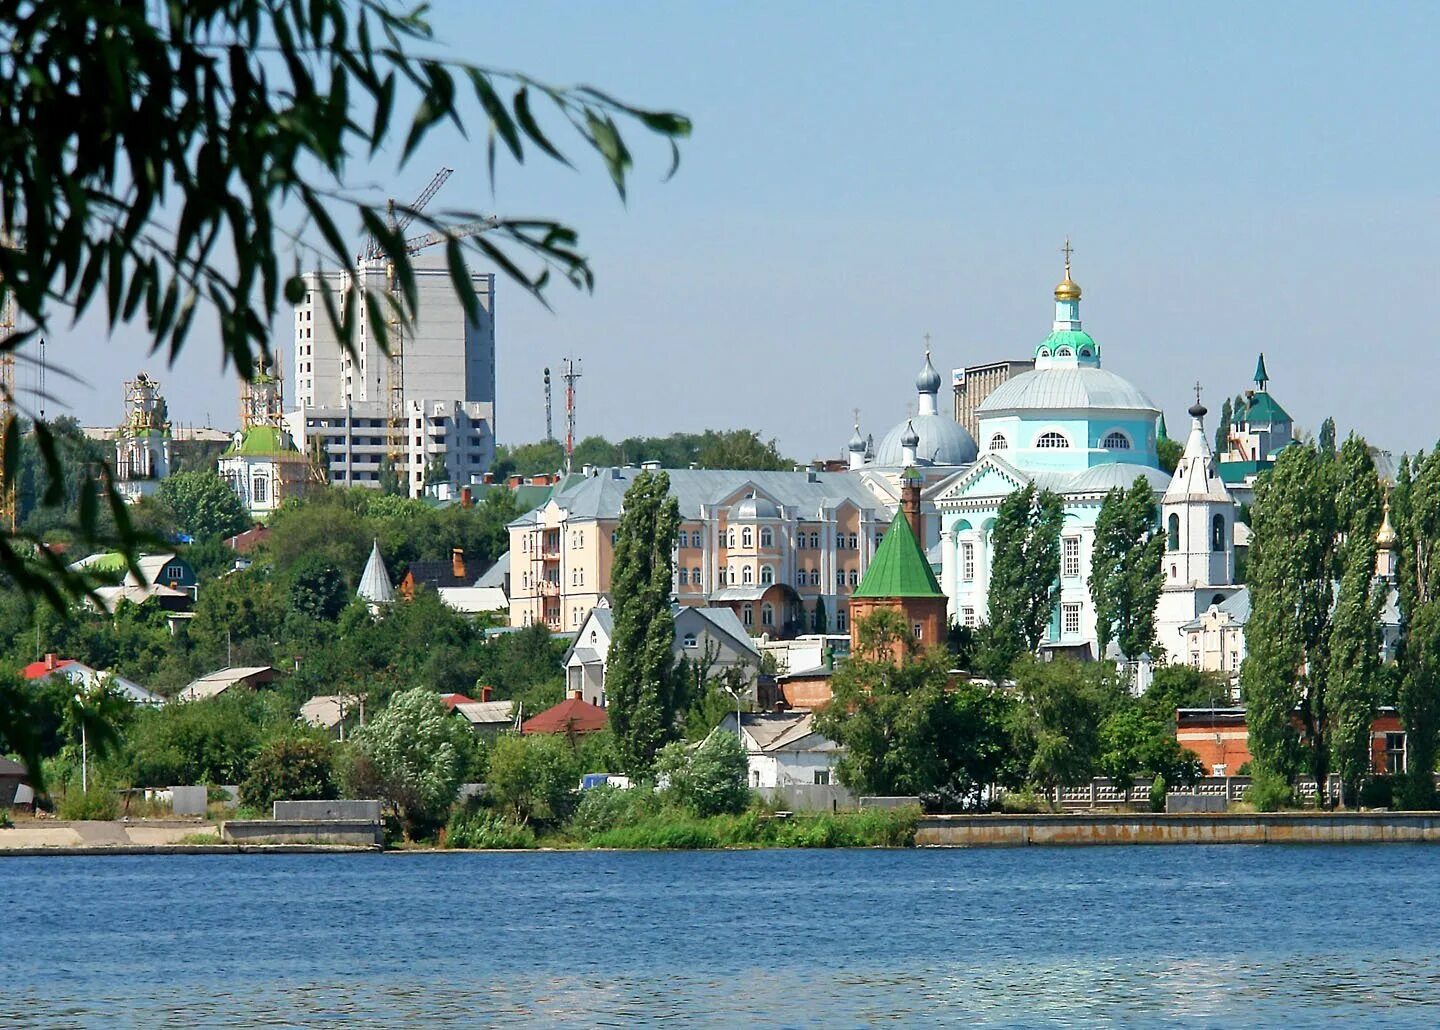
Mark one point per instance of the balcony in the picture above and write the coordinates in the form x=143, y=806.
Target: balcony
x=549, y=588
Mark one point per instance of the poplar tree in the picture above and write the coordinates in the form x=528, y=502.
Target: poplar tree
x=1126, y=569
x=1024, y=576
x=1416, y=516
x=640, y=680
x=1327, y=438
x=1222, y=428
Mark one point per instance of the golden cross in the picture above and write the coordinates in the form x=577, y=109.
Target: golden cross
x=1067, y=250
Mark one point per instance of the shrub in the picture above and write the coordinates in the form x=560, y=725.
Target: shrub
x=1025, y=800
x=1269, y=791
x=6, y=823
x=95, y=803
x=1378, y=793
x=1157, y=794
x=680, y=833
x=871, y=828
x=289, y=769
x=710, y=780
x=534, y=778
x=486, y=830
x=604, y=808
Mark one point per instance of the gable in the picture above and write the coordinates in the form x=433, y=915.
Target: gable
x=990, y=477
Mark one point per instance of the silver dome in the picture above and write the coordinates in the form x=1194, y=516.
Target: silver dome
x=1065, y=389
x=752, y=508
x=928, y=381
x=943, y=441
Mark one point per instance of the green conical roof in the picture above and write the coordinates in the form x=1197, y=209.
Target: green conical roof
x=900, y=568
x=1261, y=376
x=1161, y=433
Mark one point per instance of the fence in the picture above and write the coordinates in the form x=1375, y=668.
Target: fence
x=1101, y=793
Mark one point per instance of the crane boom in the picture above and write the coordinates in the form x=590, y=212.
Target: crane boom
x=415, y=244
x=373, y=251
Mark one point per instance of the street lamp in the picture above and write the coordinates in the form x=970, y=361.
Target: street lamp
x=739, y=733
x=84, y=746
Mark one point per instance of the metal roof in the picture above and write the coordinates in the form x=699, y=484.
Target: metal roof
x=1067, y=389
x=943, y=441
x=375, y=585
x=899, y=568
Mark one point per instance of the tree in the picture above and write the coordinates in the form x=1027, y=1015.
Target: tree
x=740, y=449
x=820, y=624
x=290, y=769
x=534, y=778
x=417, y=754
x=1135, y=743
x=1126, y=569
x=1326, y=441
x=640, y=678
x=1024, y=576
x=711, y=780
x=1169, y=452
x=1056, y=720
x=904, y=732
x=202, y=505
x=1222, y=428
x=317, y=590
x=1416, y=512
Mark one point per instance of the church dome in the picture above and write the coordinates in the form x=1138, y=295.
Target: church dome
x=941, y=441
x=1067, y=389
x=928, y=381
x=752, y=508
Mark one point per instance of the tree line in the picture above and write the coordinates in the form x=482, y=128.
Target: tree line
x=710, y=449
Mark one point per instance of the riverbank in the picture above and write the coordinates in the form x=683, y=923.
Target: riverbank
x=1102, y=828
x=31, y=837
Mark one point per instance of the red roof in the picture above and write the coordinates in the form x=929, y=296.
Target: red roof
x=451, y=700
x=45, y=666
x=245, y=542
x=569, y=716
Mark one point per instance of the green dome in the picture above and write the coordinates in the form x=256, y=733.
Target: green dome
x=1077, y=340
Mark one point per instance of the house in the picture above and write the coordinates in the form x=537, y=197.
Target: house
x=332, y=711
x=473, y=600
x=165, y=578
x=783, y=749
x=13, y=777
x=435, y=574
x=1220, y=738
x=244, y=543
x=221, y=680
x=488, y=716
x=711, y=636
x=572, y=716
x=84, y=676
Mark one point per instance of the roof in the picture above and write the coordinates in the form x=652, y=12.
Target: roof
x=1237, y=606
x=899, y=568
x=325, y=711
x=79, y=672
x=719, y=621
x=1262, y=408
x=1195, y=476
x=1261, y=376
x=496, y=574
x=487, y=713
x=473, y=600
x=245, y=542
x=436, y=574
x=572, y=715
x=223, y=679
x=40, y=669
x=600, y=495
x=375, y=581
x=451, y=700
x=10, y=767
x=1066, y=389
x=942, y=441
x=259, y=441
x=780, y=731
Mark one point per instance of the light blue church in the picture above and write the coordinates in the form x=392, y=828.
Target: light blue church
x=1069, y=426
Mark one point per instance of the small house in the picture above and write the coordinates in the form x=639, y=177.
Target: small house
x=218, y=682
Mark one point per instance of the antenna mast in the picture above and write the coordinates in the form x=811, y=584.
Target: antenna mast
x=549, y=428
x=570, y=373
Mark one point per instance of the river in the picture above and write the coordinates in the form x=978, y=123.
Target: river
x=1192, y=936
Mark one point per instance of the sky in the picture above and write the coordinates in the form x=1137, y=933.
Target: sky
x=1234, y=177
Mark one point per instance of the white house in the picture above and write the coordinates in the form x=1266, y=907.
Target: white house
x=784, y=750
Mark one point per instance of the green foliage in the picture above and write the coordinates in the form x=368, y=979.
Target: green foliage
x=202, y=505
x=1183, y=686
x=641, y=674
x=602, y=809
x=534, y=778
x=1269, y=791
x=1415, y=510
x=1378, y=792
x=209, y=741
x=290, y=769
x=96, y=803
x=1135, y=744
x=711, y=449
x=1125, y=569
x=1326, y=441
x=479, y=830
x=317, y=589
x=671, y=830
x=414, y=755
x=1024, y=577
x=710, y=780
x=1169, y=452
x=1222, y=427
x=1061, y=706
x=1158, y=790
x=904, y=732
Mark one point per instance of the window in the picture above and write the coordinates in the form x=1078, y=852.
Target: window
x=614, y=536
x=747, y=615
x=257, y=489
x=1070, y=620
x=174, y=573
x=918, y=630
x=747, y=575
x=854, y=542
x=814, y=541
x=1052, y=441
x=1064, y=352
x=967, y=562
x=840, y=619
x=767, y=538
x=755, y=778
x=767, y=575
x=1234, y=661
x=684, y=577
x=822, y=777
x=1394, y=753
x=814, y=577
x=689, y=640
x=800, y=541
x=747, y=538
x=839, y=577
x=999, y=443
x=695, y=576
x=594, y=638
x=967, y=617
x=1217, y=533
x=767, y=615
x=1116, y=441
x=801, y=578
x=1195, y=659
x=1172, y=536
x=730, y=538
x=854, y=578
x=1070, y=567
x=684, y=539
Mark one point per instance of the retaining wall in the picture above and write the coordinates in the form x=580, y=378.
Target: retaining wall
x=302, y=831
x=1148, y=828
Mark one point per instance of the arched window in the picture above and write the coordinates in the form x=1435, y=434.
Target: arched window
x=999, y=443
x=854, y=578
x=1116, y=441
x=767, y=614
x=730, y=539
x=747, y=614
x=1052, y=440
x=747, y=538
x=814, y=541
x=1172, y=533
x=767, y=538
x=684, y=577
x=814, y=577
x=257, y=489
x=1217, y=533
x=767, y=575
x=695, y=576
x=854, y=542
x=1086, y=352
x=800, y=541
x=1064, y=352
x=747, y=575
x=684, y=539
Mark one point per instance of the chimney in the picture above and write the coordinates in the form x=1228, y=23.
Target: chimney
x=485, y=693
x=457, y=562
x=50, y=660
x=467, y=500
x=910, y=505
x=515, y=481
x=488, y=478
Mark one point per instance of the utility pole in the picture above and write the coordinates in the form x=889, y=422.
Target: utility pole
x=570, y=374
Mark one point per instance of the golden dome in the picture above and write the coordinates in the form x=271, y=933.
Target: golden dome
x=1386, y=538
x=1068, y=289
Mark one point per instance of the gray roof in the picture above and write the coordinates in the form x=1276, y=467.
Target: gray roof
x=782, y=731
x=487, y=713
x=220, y=681
x=601, y=495
x=495, y=575
x=721, y=621
x=375, y=581
x=1064, y=389
x=1237, y=606
x=942, y=441
x=1098, y=479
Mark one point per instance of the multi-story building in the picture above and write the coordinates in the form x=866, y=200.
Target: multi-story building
x=142, y=444
x=444, y=384
x=972, y=385
x=784, y=550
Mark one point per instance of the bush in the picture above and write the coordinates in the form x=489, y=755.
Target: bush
x=1025, y=801
x=486, y=830
x=95, y=803
x=1157, y=794
x=605, y=808
x=710, y=780
x=681, y=832
x=1269, y=791
x=870, y=828
x=1378, y=793
x=289, y=769
x=534, y=778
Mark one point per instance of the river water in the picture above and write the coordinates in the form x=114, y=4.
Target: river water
x=1192, y=936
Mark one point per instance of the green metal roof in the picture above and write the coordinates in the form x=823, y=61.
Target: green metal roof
x=900, y=568
x=1261, y=376
x=261, y=440
x=1075, y=339
x=1264, y=409
x=1233, y=472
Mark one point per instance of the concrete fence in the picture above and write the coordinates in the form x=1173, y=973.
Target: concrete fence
x=1091, y=828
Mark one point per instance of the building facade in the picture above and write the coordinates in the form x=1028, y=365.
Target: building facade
x=973, y=384
x=143, y=454
x=262, y=465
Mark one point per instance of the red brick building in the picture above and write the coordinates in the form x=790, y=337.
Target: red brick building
x=1221, y=740
x=900, y=578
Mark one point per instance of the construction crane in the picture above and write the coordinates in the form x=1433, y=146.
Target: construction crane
x=373, y=250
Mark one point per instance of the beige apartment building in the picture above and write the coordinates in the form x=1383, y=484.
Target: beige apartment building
x=773, y=546
x=972, y=385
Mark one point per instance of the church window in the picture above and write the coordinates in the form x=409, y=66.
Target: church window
x=1116, y=441
x=1072, y=557
x=747, y=575
x=814, y=541
x=767, y=538
x=747, y=537
x=918, y=630
x=1052, y=441
x=1217, y=533
x=800, y=541
x=999, y=443
x=767, y=575
x=1085, y=352
x=967, y=562
x=767, y=615
x=1172, y=533
x=1070, y=620
x=257, y=489
x=748, y=615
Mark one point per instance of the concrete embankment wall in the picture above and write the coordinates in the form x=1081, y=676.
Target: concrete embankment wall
x=1148, y=828
x=302, y=831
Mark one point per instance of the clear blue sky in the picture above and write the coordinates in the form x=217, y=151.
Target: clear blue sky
x=1235, y=177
